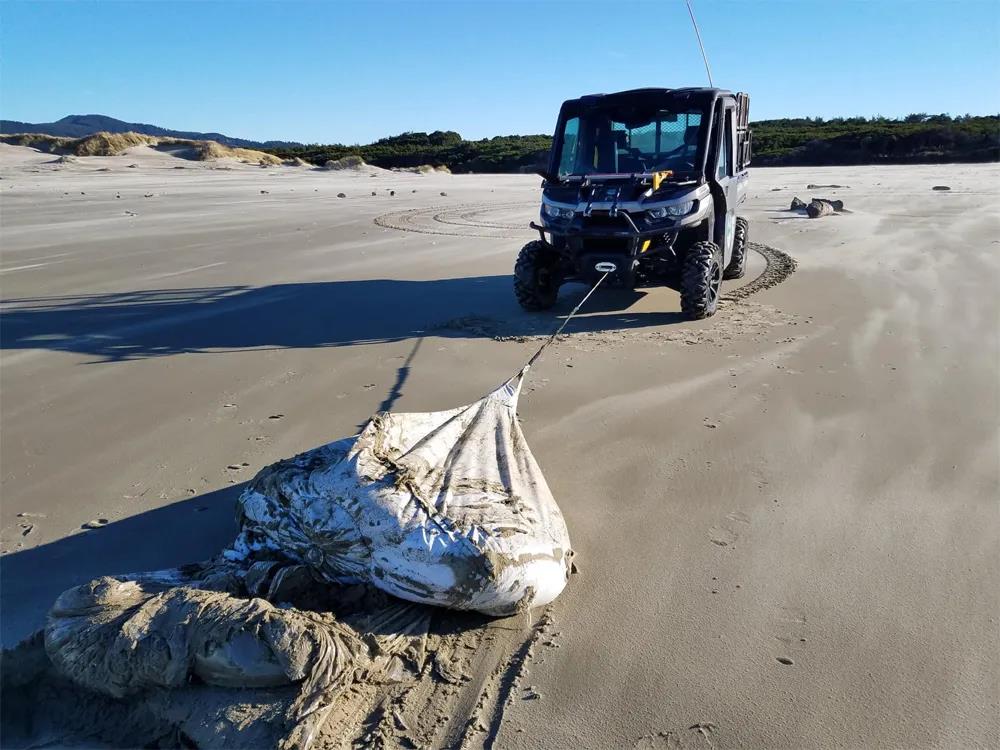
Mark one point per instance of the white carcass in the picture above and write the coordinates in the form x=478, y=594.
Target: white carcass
x=446, y=508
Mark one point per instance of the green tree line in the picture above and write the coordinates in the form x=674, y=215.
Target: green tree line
x=506, y=153
x=809, y=141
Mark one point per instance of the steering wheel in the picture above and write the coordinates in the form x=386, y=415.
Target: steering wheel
x=639, y=157
x=674, y=153
x=678, y=158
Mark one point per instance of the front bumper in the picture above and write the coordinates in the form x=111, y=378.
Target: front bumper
x=584, y=242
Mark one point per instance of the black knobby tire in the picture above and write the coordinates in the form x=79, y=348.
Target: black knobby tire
x=536, y=284
x=737, y=267
x=701, y=280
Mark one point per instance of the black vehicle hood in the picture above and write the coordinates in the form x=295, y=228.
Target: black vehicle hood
x=596, y=189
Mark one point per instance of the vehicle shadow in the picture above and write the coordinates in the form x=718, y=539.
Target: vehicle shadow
x=183, y=532
x=140, y=324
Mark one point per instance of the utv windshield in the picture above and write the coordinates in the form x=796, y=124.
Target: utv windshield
x=625, y=140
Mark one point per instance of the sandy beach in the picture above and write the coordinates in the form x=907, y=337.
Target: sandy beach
x=785, y=517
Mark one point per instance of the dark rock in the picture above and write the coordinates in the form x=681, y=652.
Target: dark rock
x=837, y=205
x=817, y=209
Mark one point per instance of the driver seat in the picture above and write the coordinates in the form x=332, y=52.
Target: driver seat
x=691, y=138
x=629, y=159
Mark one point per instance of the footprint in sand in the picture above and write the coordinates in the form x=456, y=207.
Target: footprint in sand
x=792, y=634
x=26, y=526
x=726, y=535
x=658, y=741
x=793, y=615
x=693, y=737
x=722, y=536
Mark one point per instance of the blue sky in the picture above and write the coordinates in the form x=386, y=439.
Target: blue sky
x=353, y=72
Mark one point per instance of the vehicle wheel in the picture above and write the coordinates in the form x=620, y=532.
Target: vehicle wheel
x=701, y=279
x=738, y=263
x=536, y=282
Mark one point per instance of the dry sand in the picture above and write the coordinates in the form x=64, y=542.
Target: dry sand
x=785, y=517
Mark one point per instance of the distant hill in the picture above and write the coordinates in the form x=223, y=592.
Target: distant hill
x=78, y=126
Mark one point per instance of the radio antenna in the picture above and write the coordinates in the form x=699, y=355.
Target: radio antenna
x=700, y=44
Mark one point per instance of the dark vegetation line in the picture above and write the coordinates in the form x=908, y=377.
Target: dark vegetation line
x=809, y=141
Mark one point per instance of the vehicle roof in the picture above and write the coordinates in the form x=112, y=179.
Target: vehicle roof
x=630, y=93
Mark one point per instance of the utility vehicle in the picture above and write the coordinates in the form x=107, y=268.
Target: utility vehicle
x=646, y=182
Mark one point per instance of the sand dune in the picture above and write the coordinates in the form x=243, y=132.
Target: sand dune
x=114, y=144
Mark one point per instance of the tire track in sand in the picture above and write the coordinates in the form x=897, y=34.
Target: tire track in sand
x=459, y=220
x=780, y=265
x=474, y=220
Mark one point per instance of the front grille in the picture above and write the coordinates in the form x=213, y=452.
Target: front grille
x=603, y=220
x=606, y=245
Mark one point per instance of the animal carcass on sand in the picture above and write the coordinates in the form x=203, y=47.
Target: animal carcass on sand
x=446, y=508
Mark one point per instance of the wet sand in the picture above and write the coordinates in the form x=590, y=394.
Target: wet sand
x=785, y=517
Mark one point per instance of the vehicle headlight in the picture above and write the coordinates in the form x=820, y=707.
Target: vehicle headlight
x=681, y=209
x=662, y=212
x=557, y=212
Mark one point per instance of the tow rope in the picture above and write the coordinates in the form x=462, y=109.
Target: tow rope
x=600, y=267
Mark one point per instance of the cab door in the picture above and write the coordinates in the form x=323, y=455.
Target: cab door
x=732, y=190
